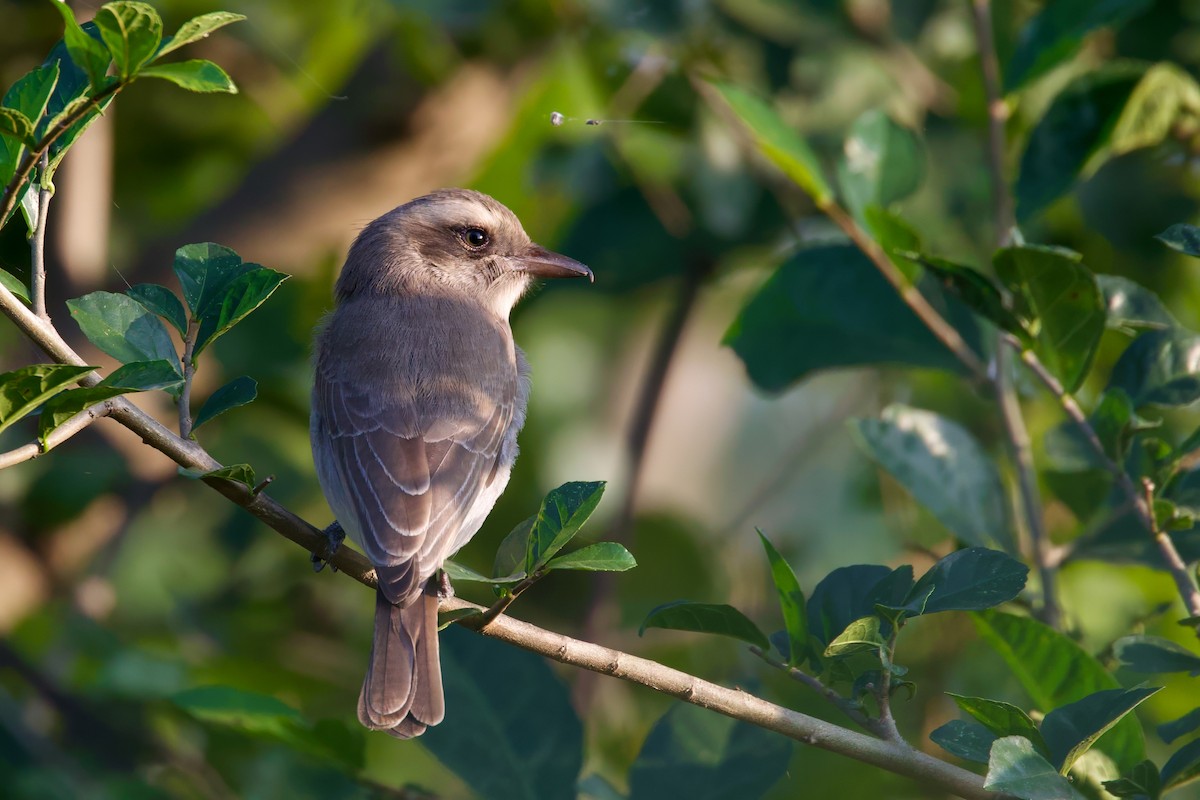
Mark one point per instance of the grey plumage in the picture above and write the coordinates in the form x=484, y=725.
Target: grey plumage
x=418, y=397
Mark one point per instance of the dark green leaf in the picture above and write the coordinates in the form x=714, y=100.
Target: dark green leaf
x=238, y=298
x=1132, y=306
x=88, y=54
x=829, y=307
x=563, y=513
x=597, y=787
x=1001, y=719
x=132, y=32
x=238, y=473
x=458, y=572
x=977, y=291
x=510, y=555
x=23, y=390
x=844, y=595
x=1075, y=127
x=196, y=29
x=1017, y=768
x=780, y=144
x=966, y=739
x=1160, y=368
x=861, y=635
x=238, y=392
x=598, y=557
x=16, y=126
x=1072, y=729
x=944, y=468
x=791, y=603
x=144, y=376
x=29, y=96
x=1183, y=767
x=897, y=238
x=162, y=301
x=720, y=619
x=696, y=754
x=204, y=270
x=1142, y=781
x=882, y=162
x=1181, y=237
x=1153, y=654
x=1055, y=671
x=122, y=327
x=1114, y=421
x=1061, y=295
x=1056, y=34
x=65, y=405
x=195, y=75
x=510, y=730
x=14, y=285
x=1170, y=731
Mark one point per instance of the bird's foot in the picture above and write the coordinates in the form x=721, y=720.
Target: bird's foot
x=445, y=590
x=333, y=536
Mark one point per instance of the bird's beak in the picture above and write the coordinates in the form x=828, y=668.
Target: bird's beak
x=540, y=262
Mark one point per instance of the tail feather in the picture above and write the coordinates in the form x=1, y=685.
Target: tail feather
x=402, y=690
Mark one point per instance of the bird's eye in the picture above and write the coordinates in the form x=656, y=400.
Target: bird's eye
x=475, y=237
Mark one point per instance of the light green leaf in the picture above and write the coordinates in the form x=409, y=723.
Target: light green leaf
x=239, y=473
x=16, y=126
x=510, y=555
x=23, y=390
x=882, y=162
x=234, y=394
x=196, y=29
x=1017, y=768
x=132, y=32
x=458, y=572
x=88, y=54
x=598, y=557
x=563, y=513
x=14, y=285
x=195, y=75
x=861, y=635
x=791, y=603
x=122, y=327
x=720, y=619
x=65, y=405
x=1070, y=730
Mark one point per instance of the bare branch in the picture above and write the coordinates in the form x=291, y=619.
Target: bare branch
x=842, y=704
x=57, y=436
x=37, y=277
x=189, y=371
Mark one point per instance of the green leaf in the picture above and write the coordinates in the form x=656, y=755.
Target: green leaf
x=204, y=271
x=882, y=162
x=1160, y=368
x=1182, y=237
x=791, y=603
x=850, y=593
x=694, y=753
x=458, y=572
x=1001, y=719
x=144, y=376
x=16, y=126
x=780, y=144
x=238, y=392
x=1165, y=95
x=966, y=739
x=161, y=301
x=1056, y=34
x=861, y=635
x=944, y=469
x=1056, y=671
x=132, y=32
x=1153, y=654
x=1061, y=297
x=1133, y=307
x=829, y=307
x=971, y=579
x=1018, y=769
x=23, y=390
x=238, y=298
x=65, y=405
x=510, y=555
x=510, y=730
x=1073, y=130
x=719, y=619
x=1183, y=767
x=14, y=285
x=88, y=54
x=195, y=75
x=1142, y=781
x=563, y=513
x=122, y=327
x=977, y=292
x=598, y=557
x=1072, y=729
x=896, y=237
x=196, y=29
x=238, y=473
x=1170, y=731
x=28, y=97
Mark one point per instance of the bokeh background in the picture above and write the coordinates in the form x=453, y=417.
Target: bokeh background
x=121, y=583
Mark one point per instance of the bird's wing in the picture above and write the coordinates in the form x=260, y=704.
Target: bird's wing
x=409, y=476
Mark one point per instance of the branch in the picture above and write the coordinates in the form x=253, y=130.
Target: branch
x=37, y=278
x=843, y=704
x=57, y=436
x=189, y=370
x=1002, y=203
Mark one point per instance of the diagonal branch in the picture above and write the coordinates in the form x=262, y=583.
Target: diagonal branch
x=57, y=436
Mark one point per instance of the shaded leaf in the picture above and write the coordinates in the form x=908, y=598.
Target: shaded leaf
x=1154, y=654
x=144, y=376
x=204, y=270
x=510, y=555
x=1132, y=306
x=23, y=390
x=510, y=730
x=238, y=392
x=1170, y=731
x=1182, y=767
x=1070, y=730
x=1001, y=719
x=1142, y=780
x=977, y=291
x=847, y=594
x=448, y=618
x=598, y=557
x=882, y=162
x=195, y=75
x=122, y=327
x=563, y=513
x=238, y=298
x=196, y=29
x=1017, y=768
x=132, y=32
x=791, y=603
x=1062, y=296
x=780, y=144
x=966, y=739
x=161, y=301
x=944, y=469
x=720, y=619
x=1160, y=368
x=694, y=753
x=1181, y=237
x=1055, y=671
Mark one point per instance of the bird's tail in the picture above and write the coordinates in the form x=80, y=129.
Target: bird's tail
x=402, y=692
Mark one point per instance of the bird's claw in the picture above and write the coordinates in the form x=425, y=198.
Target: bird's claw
x=445, y=589
x=334, y=535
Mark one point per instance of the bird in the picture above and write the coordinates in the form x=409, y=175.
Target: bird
x=419, y=392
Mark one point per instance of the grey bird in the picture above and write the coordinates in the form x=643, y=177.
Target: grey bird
x=418, y=397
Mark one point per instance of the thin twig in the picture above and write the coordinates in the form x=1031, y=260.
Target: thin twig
x=843, y=704
x=65, y=431
x=883, y=695
x=1175, y=564
x=500, y=606
x=37, y=247
x=189, y=370
x=1002, y=202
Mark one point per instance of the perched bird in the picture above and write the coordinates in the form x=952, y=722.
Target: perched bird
x=418, y=397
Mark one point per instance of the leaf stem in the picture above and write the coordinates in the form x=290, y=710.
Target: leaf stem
x=189, y=370
x=37, y=247
x=500, y=606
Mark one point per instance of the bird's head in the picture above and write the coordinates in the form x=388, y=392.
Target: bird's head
x=453, y=241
